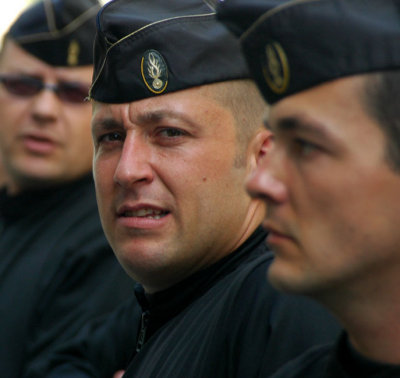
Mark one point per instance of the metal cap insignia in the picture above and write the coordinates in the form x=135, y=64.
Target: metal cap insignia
x=276, y=68
x=73, y=53
x=154, y=71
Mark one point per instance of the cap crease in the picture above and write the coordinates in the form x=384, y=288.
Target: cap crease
x=73, y=25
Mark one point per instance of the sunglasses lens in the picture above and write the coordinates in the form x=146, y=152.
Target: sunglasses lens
x=22, y=86
x=30, y=86
x=72, y=92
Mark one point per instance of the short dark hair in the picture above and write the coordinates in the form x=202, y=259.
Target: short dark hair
x=242, y=98
x=381, y=98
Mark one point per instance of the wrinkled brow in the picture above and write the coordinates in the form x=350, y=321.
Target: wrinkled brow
x=153, y=117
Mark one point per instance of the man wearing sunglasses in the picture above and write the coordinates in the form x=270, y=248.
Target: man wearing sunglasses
x=56, y=268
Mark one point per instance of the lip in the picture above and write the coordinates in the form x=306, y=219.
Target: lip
x=151, y=221
x=39, y=144
x=276, y=235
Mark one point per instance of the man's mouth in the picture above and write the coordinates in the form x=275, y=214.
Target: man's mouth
x=40, y=145
x=145, y=213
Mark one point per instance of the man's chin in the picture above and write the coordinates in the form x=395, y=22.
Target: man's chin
x=285, y=280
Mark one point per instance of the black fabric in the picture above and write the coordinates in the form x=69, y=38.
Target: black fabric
x=186, y=45
x=239, y=15
x=224, y=321
x=59, y=32
x=336, y=361
x=56, y=272
x=295, y=45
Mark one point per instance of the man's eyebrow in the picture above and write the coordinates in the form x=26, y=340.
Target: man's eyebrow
x=157, y=116
x=143, y=118
x=106, y=124
x=153, y=116
x=298, y=124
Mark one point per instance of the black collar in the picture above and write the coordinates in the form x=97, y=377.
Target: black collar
x=171, y=301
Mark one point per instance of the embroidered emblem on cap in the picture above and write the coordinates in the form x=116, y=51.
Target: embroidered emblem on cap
x=154, y=71
x=73, y=53
x=276, y=68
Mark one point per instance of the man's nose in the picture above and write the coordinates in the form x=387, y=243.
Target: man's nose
x=134, y=165
x=266, y=180
x=45, y=105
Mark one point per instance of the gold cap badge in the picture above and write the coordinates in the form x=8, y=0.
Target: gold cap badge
x=276, y=68
x=154, y=71
x=73, y=53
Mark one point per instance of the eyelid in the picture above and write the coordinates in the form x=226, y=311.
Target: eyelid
x=164, y=129
x=305, y=147
x=102, y=136
x=304, y=141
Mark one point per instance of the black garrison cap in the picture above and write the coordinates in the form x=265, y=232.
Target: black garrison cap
x=145, y=48
x=294, y=45
x=59, y=32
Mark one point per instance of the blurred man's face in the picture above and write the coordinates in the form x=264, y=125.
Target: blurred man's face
x=44, y=138
x=169, y=183
x=333, y=201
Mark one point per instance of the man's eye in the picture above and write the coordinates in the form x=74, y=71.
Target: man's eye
x=110, y=137
x=171, y=132
x=305, y=148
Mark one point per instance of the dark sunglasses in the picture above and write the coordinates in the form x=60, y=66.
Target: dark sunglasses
x=25, y=86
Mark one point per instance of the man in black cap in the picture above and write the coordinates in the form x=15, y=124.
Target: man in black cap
x=331, y=72
x=57, y=269
x=176, y=128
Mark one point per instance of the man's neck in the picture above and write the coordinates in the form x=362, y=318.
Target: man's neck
x=370, y=314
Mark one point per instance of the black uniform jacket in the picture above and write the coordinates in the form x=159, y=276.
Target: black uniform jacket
x=337, y=360
x=224, y=321
x=56, y=271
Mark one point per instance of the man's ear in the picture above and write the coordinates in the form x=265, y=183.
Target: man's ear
x=260, y=146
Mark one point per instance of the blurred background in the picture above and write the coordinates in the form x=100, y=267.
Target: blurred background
x=9, y=10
